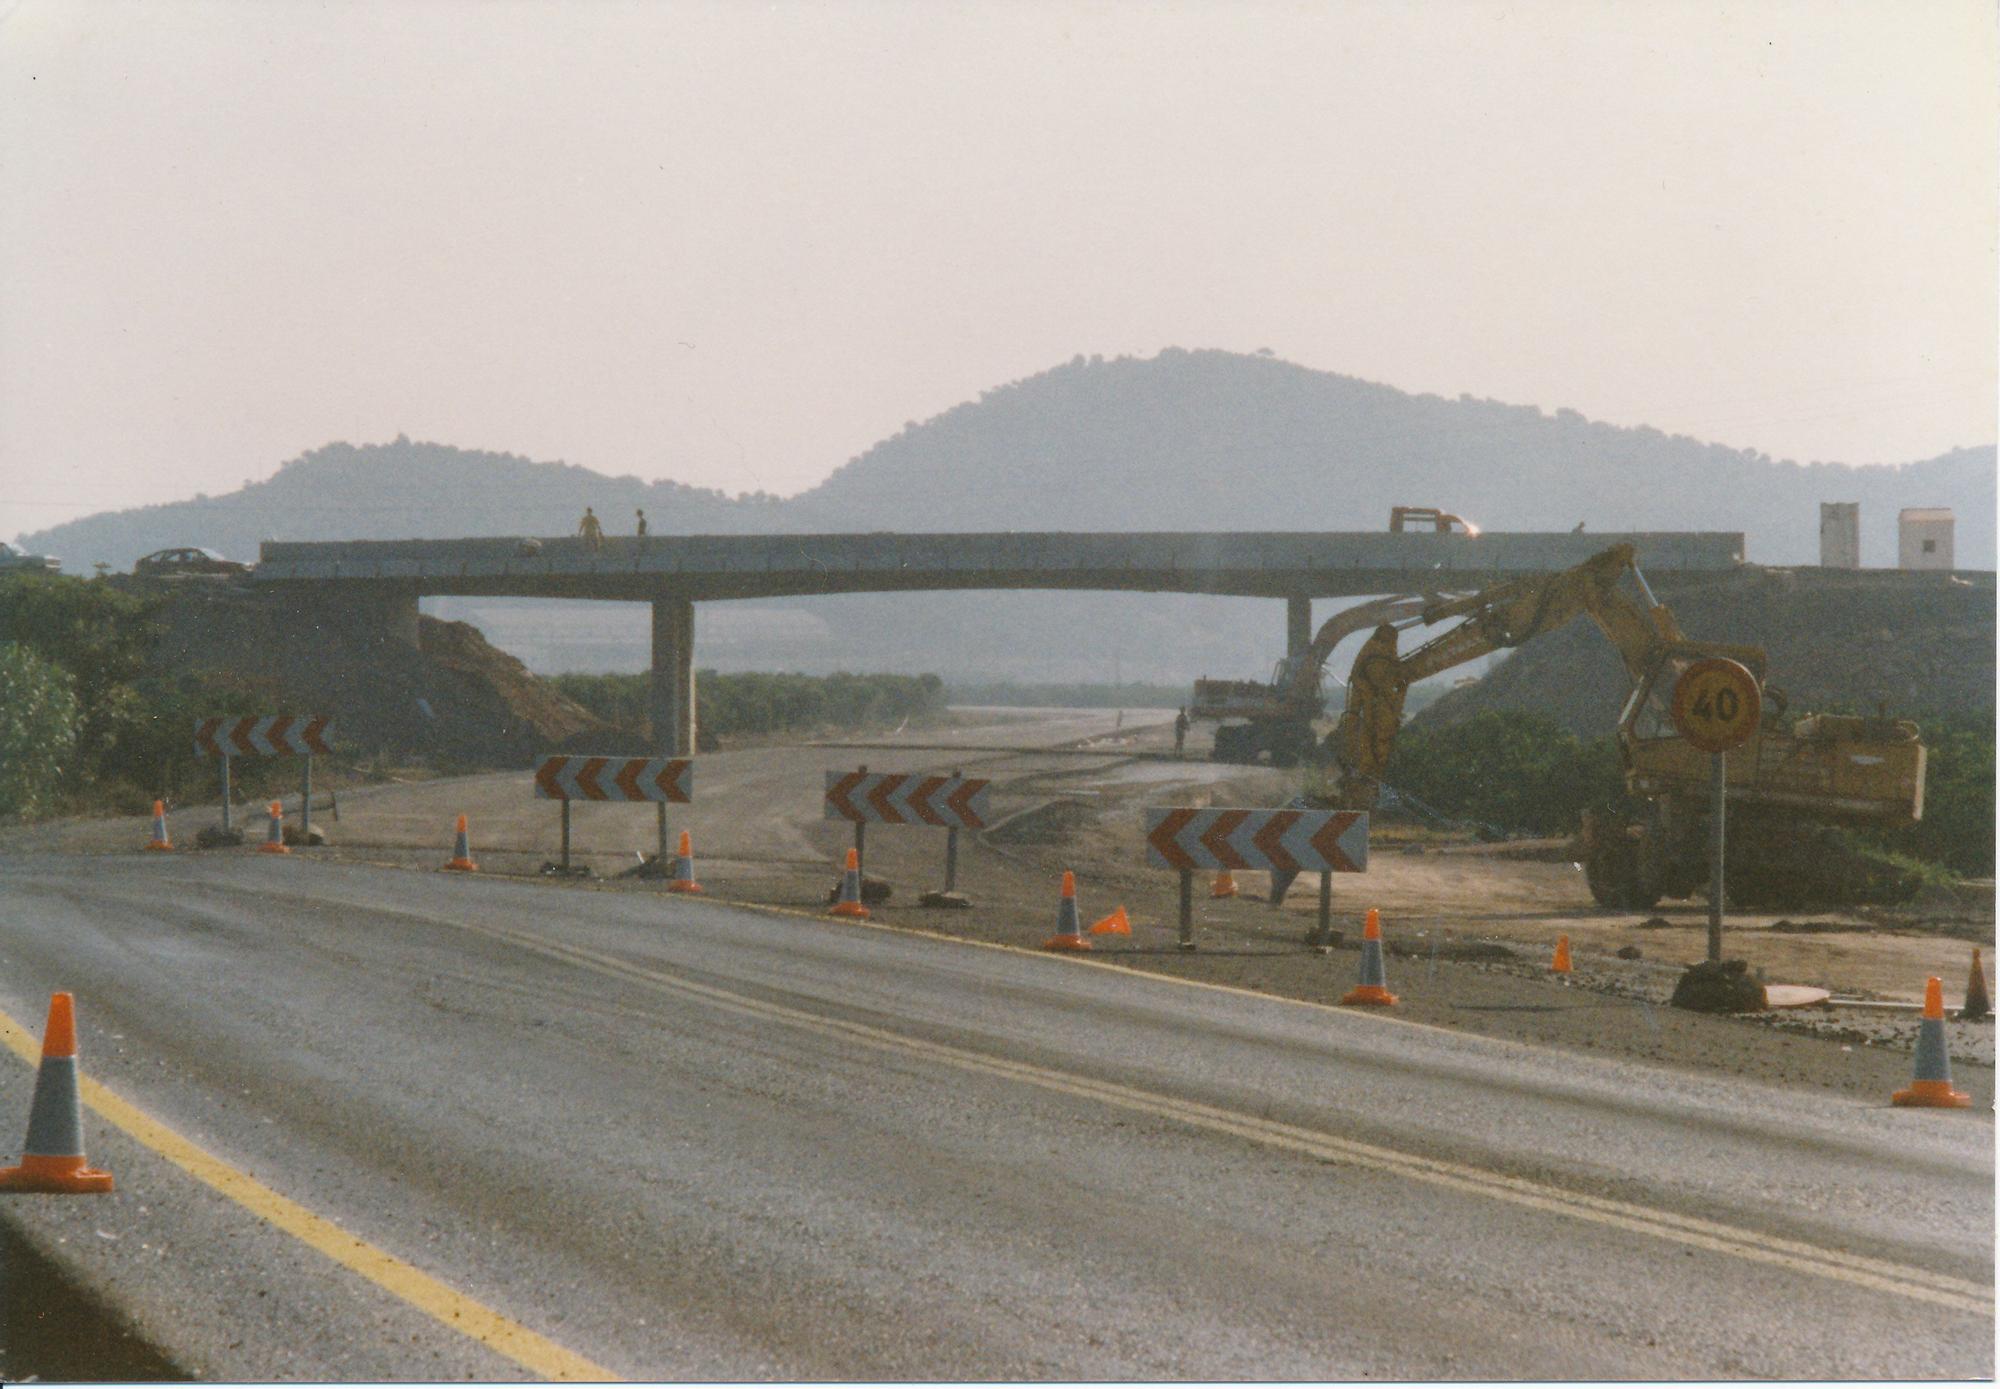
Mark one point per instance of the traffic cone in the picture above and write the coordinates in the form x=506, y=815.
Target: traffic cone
x=52, y=1156
x=1069, y=933
x=1373, y=987
x=683, y=879
x=1116, y=924
x=1931, y=1089
x=160, y=840
x=1978, y=1007
x=461, y=853
x=274, y=843
x=1224, y=885
x=1560, y=964
x=850, y=890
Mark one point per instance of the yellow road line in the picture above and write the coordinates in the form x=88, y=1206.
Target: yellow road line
x=1859, y=1270
x=469, y=1317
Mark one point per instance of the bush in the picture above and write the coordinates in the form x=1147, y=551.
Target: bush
x=38, y=731
x=1517, y=770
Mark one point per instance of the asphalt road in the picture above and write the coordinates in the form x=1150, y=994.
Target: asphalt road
x=683, y=1140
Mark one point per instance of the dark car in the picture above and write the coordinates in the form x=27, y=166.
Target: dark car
x=188, y=559
x=15, y=560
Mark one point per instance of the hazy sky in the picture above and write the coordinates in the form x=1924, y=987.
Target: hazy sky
x=735, y=245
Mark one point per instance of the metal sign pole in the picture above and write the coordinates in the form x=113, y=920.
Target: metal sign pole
x=225, y=792
x=306, y=804
x=861, y=839
x=663, y=834
x=1717, y=779
x=951, y=849
x=1187, y=909
x=565, y=836
x=1323, y=937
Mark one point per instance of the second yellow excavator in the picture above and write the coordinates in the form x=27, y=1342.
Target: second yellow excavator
x=1787, y=787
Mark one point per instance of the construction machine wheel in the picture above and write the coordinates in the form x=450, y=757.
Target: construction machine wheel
x=1614, y=863
x=1235, y=742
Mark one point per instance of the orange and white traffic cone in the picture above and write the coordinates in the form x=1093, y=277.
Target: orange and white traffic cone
x=461, y=852
x=683, y=879
x=1373, y=987
x=850, y=890
x=52, y=1157
x=274, y=842
x=1931, y=1088
x=1069, y=928
x=1978, y=1006
x=1224, y=884
x=1560, y=964
x=160, y=842
x=1116, y=924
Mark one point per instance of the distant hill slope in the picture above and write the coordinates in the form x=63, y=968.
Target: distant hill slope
x=1185, y=440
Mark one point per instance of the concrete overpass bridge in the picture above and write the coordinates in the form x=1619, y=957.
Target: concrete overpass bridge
x=371, y=587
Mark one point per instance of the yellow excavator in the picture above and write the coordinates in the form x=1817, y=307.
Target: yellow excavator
x=1787, y=788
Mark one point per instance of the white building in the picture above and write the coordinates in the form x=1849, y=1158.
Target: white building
x=1924, y=537
x=1840, y=535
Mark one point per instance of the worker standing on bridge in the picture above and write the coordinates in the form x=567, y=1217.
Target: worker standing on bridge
x=591, y=530
x=642, y=522
x=1180, y=732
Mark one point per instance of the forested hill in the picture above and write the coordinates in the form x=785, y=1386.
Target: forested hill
x=1185, y=440
x=1217, y=440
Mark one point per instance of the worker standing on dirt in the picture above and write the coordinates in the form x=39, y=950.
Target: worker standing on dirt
x=642, y=522
x=591, y=529
x=1180, y=732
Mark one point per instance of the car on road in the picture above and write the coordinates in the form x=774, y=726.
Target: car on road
x=188, y=559
x=15, y=560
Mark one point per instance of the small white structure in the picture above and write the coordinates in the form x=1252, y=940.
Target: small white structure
x=1924, y=537
x=1840, y=535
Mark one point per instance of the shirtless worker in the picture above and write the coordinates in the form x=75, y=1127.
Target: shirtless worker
x=591, y=531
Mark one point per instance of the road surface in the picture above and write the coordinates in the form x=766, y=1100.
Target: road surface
x=559, y=1129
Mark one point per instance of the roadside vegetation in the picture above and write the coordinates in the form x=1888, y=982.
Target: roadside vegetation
x=758, y=705
x=87, y=723
x=1525, y=773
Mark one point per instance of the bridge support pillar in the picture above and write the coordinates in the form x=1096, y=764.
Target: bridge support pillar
x=1298, y=623
x=671, y=697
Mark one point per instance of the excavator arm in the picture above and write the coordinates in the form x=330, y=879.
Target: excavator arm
x=1495, y=618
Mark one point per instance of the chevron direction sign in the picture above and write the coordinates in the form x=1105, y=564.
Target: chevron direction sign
x=274, y=735
x=615, y=779
x=899, y=798
x=1289, y=841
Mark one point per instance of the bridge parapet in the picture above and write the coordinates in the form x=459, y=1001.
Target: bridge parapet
x=1247, y=563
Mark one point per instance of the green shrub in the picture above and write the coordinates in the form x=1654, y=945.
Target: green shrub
x=38, y=731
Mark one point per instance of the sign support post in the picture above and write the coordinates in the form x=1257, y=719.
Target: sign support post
x=306, y=804
x=1718, y=781
x=663, y=834
x=1716, y=706
x=565, y=835
x=1186, y=941
x=225, y=793
x=1323, y=937
x=951, y=850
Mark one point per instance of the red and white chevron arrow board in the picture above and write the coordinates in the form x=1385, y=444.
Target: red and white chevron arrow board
x=273, y=735
x=1293, y=841
x=907, y=798
x=563, y=778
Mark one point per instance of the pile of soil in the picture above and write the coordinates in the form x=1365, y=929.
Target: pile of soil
x=453, y=698
x=1917, y=642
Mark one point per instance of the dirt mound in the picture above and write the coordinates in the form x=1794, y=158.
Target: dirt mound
x=454, y=697
x=1918, y=642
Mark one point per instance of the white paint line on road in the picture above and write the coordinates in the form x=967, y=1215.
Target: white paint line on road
x=1877, y=1275
x=541, y=1357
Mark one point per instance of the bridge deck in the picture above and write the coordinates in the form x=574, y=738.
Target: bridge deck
x=705, y=567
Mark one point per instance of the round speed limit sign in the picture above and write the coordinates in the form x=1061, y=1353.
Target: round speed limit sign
x=1717, y=704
